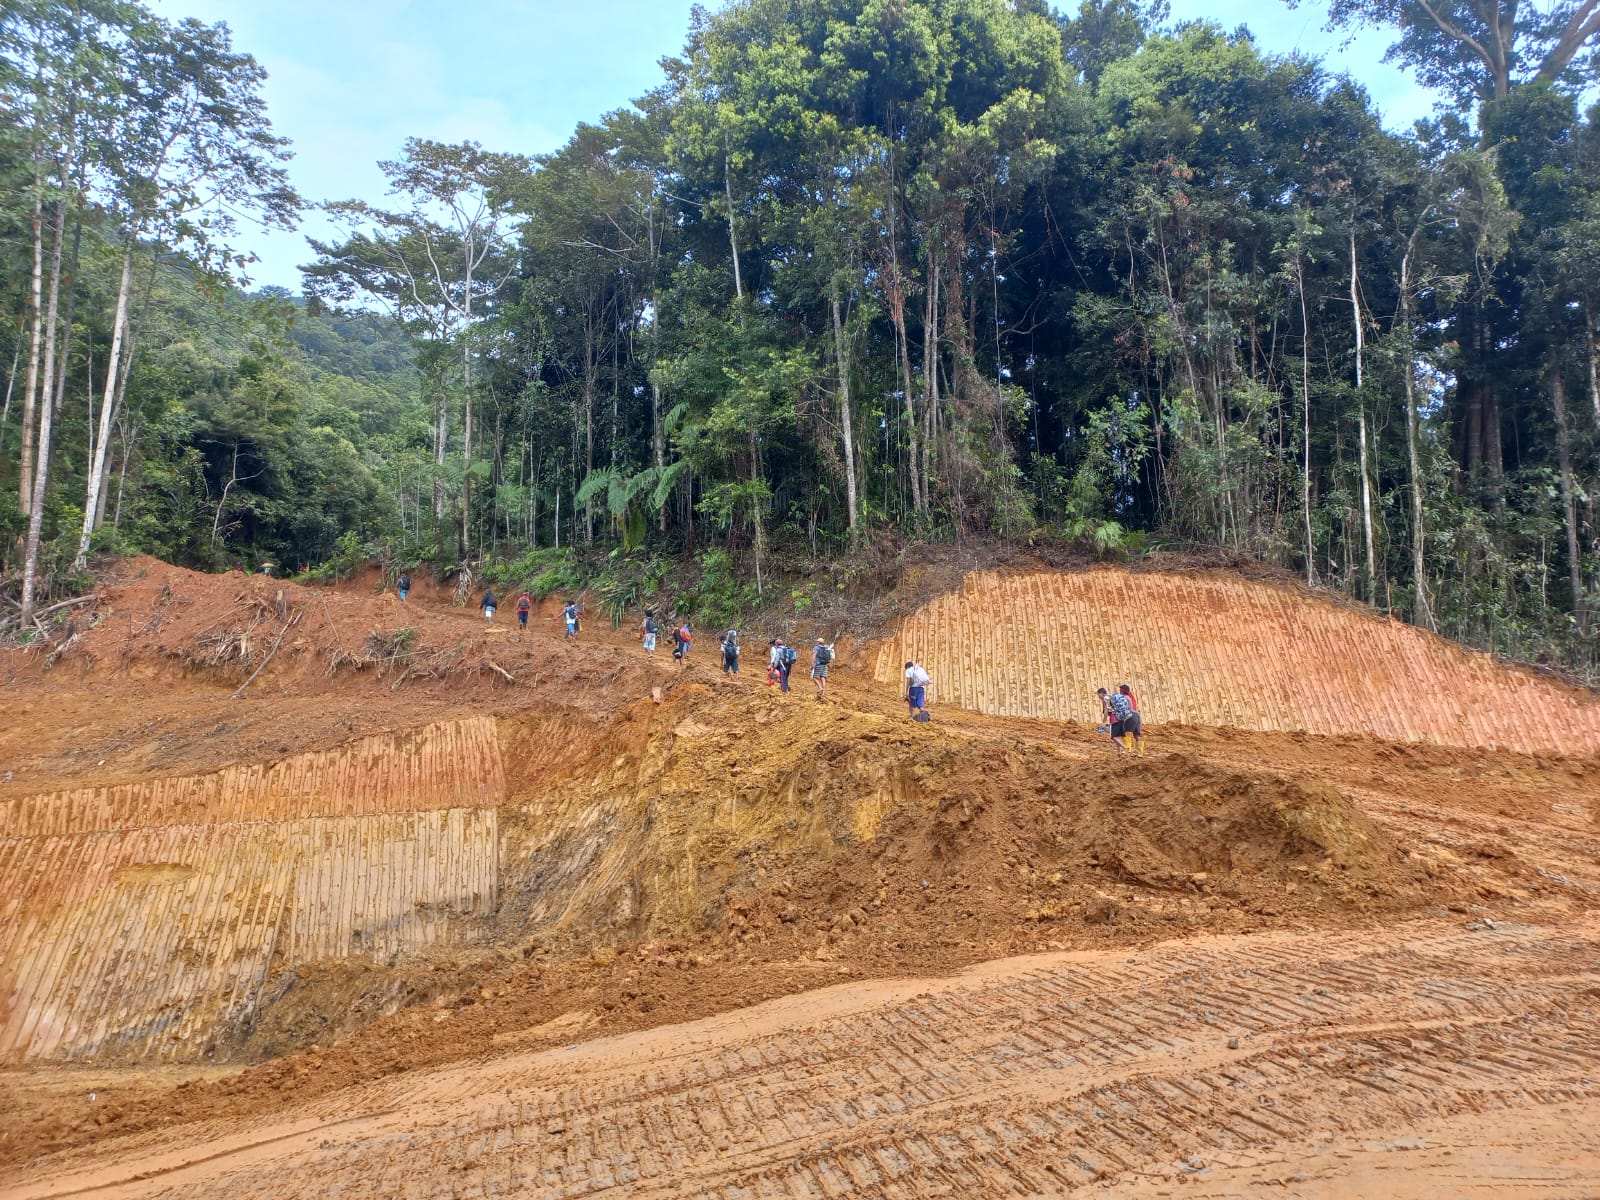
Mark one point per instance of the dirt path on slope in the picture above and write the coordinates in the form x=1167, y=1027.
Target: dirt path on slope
x=1045, y=1075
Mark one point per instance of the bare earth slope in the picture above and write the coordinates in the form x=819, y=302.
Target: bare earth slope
x=350, y=925
x=1214, y=649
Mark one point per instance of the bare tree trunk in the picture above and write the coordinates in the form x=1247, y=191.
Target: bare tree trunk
x=1558, y=400
x=845, y=416
x=11, y=382
x=93, y=502
x=733, y=236
x=1305, y=409
x=930, y=374
x=128, y=435
x=589, y=372
x=46, y=404
x=466, y=431
x=1591, y=342
x=441, y=441
x=30, y=393
x=1421, y=610
x=1361, y=420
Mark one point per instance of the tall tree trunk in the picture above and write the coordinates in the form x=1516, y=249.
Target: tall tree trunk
x=466, y=429
x=441, y=442
x=930, y=373
x=1591, y=342
x=1558, y=400
x=733, y=236
x=30, y=393
x=846, y=417
x=1305, y=410
x=127, y=435
x=1361, y=419
x=11, y=383
x=93, y=503
x=1421, y=610
x=590, y=371
x=46, y=405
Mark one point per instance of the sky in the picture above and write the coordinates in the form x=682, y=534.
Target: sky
x=350, y=80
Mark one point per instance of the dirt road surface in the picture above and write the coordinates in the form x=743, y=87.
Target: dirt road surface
x=1430, y=1059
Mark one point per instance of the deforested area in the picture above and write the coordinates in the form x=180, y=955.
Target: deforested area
x=883, y=598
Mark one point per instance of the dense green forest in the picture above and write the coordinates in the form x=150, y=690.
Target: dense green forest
x=858, y=270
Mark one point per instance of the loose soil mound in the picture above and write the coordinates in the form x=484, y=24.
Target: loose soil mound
x=1215, y=649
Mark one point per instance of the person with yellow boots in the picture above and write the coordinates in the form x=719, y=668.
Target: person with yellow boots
x=1132, y=728
x=1125, y=725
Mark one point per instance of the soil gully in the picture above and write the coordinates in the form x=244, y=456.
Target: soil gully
x=342, y=923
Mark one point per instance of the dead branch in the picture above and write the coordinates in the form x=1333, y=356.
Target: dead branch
x=503, y=673
x=287, y=625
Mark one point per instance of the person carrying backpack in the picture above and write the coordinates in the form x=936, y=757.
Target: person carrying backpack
x=571, y=612
x=917, y=682
x=682, y=637
x=648, y=630
x=1132, y=724
x=403, y=585
x=1124, y=723
x=821, y=656
x=524, y=607
x=774, y=665
x=730, y=652
x=488, y=606
x=787, y=657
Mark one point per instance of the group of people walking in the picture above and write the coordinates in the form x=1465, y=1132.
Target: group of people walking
x=1119, y=710
x=571, y=613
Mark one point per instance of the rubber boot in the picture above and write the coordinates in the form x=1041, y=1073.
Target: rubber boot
x=1127, y=740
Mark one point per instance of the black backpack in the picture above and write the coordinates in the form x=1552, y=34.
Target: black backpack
x=824, y=655
x=650, y=625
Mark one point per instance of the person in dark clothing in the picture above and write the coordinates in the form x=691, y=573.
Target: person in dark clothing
x=403, y=585
x=488, y=606
x=730, y=652
x=524, y=607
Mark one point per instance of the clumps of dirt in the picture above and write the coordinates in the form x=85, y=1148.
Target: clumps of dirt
x=1215, y=826
x=996, y=841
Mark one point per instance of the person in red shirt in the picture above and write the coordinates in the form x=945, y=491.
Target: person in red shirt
x=524, y=606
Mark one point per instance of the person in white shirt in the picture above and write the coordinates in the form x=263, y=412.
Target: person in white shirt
x=917, y=681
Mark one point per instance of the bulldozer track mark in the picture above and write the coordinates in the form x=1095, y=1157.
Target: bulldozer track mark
x=140, y=922
x=1033, y=1078
x=1224, y=651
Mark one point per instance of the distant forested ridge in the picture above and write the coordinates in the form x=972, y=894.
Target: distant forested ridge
x=857, y=269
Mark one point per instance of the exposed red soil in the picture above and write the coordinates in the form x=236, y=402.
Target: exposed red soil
x=725, y=845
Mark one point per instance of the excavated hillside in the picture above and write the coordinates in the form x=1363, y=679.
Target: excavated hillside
x=1213, y=649
x=261, y=842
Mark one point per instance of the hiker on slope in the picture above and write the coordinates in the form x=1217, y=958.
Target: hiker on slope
x=821, y=656
x=787, y=657
x=488, y=606
x=403, y=584
x=730, y=652
x=917, y=681
x=524, y=607
x=572, y=612
x=682, y=637
x=1133, y=729
x=648, y=630
x=1119, y=711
